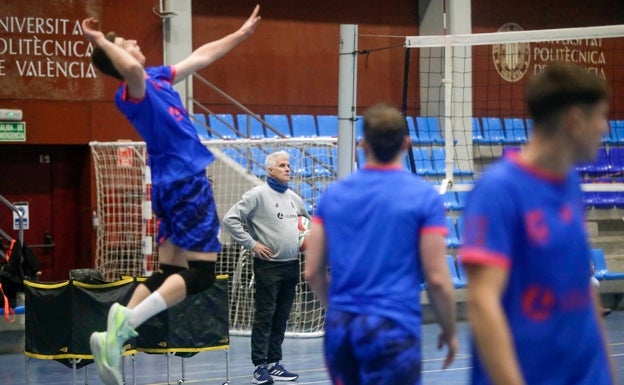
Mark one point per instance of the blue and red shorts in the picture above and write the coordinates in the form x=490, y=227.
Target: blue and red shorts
x=368, y=349
x=187, y=214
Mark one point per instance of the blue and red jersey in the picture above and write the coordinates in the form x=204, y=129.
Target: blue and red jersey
x=373, y=220
x=532, y=224
x=174, y=149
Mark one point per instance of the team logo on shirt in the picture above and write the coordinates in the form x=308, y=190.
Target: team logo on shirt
x=176, y=113
x=538, y=303
x=536, y=227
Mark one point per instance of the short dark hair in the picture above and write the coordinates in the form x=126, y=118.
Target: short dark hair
x=102, y=62
x=385, y=129
x=560, y=86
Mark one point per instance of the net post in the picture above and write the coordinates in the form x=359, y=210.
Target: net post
x=347, y=91
x=448, y=109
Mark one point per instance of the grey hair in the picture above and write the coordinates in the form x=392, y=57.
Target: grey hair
x=269, y=162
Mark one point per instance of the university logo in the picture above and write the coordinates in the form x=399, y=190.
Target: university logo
x=511, y=59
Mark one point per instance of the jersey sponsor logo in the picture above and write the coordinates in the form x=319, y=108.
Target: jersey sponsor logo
x=475, y=230
x=282, y=215
x=536, y=227
x=538, y=303
x=566, y=214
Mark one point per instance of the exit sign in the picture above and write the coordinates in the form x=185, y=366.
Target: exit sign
x=12, y=131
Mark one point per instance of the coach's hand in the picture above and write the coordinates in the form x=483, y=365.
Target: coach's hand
x=263, y=251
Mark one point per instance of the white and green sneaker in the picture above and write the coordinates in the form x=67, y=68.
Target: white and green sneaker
x=106, y=347
x=109, y=375
x=118, y=332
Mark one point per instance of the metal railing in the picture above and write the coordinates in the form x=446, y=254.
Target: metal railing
x=250, y=114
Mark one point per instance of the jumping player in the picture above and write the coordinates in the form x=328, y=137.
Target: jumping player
x=181, y=193
x=381, y=231
x=533, y=312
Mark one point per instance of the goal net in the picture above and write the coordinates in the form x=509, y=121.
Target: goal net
x=125, y=241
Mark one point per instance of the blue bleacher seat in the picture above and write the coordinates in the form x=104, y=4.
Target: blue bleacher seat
x=461, y=272
x=438, y=160
x=477, y=133
x=601, y=270
x=237, y=155
x=298, y=163
x=493, y=131
x=359, y=128
x=304, y=190
x=605, y=199
x=616, y=159
x=460, y=228
x=450, y=262
x=303, y=125
x=258, y=158
x=617, y=131
x=411, y=128
x=280, y=123
x=452, y=240
x=360, y=157
x=221, y=126
x=319, y=160
x=589, y=199
x=449, y=199
x=327, y=125
x=460, y=198
x=199, y=122
x=422, y=158
x=601, y=164
x=428, y=130
x=610, y=136
x=250, y=126
x=514, y=130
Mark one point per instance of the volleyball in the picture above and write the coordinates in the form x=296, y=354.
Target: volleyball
x=303, y=227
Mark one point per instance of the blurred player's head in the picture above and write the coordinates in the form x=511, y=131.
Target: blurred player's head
x=278, y=166
x=102, y=62
x=385, y=133
x=565, y=100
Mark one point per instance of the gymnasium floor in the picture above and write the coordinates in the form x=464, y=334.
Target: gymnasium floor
x=301, y=355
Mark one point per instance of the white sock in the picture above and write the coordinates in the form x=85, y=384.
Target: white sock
x=148, y=308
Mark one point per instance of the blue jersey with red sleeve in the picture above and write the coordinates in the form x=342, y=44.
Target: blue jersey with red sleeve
x=532, y=224
x=174, y=151
x=373, y=220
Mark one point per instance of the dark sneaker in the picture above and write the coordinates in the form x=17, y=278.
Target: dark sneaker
x=279, y=373
x=261, y=375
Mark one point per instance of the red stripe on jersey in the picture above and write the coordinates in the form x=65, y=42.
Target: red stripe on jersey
x=434, y=230
x=479, y=256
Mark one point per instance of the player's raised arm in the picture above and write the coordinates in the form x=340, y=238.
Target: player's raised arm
x=125, y=56
x=210, y=52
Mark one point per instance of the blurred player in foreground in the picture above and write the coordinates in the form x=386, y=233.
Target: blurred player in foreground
x=381, y=231
x=534, y=314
